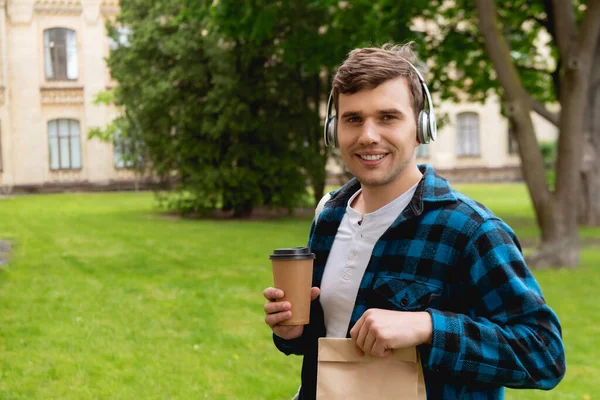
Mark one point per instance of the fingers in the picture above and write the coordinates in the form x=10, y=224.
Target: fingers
x=314, y=293
x=275, y=307
x=272, y=293
x=379, y=349
x=369, y=342
x=360, y=333
x=277, y=318
x=277, y=312
x=356, y=328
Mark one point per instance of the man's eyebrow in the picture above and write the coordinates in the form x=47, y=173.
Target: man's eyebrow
x=390, y=111
x=351, y=114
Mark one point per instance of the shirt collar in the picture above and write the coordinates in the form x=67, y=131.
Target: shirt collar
x=432, y=188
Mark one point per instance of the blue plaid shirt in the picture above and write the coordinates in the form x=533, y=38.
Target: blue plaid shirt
x=450, y=256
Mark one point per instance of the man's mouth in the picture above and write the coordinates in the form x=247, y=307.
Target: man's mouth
x=371, y=157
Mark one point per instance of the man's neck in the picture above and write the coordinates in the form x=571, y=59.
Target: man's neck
x=372, y=198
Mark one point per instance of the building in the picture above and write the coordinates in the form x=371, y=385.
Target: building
x=476, y=144
x=52, y=64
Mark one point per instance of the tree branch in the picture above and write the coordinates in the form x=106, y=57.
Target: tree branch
x=549, y=9
x=566, y=29
x=590, y=28
x=519, y=104
x=552, y=117
x=498, y=51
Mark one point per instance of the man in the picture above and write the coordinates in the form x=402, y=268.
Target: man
x=403, y=260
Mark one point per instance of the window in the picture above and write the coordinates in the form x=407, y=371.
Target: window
x=64, y=144
x=121, y=151
x=467, y=134
x=60, y=54
x=126, y=152
x=423, y=151
x=512, y=141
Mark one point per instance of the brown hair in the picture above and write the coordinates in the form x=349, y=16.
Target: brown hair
x=369, y=67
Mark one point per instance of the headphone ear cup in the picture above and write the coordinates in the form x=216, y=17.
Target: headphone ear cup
x=332, y=132
x=432, y=133
x=423, y=127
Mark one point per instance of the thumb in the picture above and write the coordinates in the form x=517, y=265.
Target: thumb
x=314, y=293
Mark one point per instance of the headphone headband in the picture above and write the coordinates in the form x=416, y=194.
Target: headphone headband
x=425, y=90
x=426, y=123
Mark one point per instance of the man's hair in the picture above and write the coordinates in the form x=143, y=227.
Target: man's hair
x=369, y=67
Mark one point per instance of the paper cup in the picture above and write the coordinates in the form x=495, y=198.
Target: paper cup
x=292, y=273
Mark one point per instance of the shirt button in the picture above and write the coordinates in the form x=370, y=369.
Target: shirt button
x=352, y=255
x=404, y=302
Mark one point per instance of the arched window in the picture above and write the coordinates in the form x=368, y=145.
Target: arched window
x=60, y=54
x=467, y=134
x=64, y=144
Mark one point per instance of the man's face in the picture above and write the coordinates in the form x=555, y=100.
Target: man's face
x=377, y=132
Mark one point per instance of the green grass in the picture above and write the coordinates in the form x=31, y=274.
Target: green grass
x=105, y=298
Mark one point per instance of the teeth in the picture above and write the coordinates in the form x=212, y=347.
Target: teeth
x=372, y=157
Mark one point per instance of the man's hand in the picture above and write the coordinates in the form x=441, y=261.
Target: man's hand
x=378, y=331
x=277, y=312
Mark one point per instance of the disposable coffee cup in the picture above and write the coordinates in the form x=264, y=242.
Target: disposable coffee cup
x=292, y=273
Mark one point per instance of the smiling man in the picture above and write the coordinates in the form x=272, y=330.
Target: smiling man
x=403, y=260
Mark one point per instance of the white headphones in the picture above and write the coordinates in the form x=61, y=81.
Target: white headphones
x=426, y=125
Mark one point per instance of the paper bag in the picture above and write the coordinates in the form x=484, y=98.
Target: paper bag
x=343, y=374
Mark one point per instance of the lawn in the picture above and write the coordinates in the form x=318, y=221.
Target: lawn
x=106, y=298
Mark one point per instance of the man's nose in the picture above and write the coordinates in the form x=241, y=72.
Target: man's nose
x=368, y=134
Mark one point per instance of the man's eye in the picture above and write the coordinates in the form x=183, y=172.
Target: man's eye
x=353, y=120
x=388, y=117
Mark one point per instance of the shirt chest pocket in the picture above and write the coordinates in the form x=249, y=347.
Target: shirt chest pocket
x=398, y=294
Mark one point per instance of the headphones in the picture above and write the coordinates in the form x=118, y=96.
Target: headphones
x=426, y=126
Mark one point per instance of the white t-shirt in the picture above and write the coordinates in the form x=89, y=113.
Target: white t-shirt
x=349, y=257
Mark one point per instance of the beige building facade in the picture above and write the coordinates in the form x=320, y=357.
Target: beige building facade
x=52, y=64
x=476, y=143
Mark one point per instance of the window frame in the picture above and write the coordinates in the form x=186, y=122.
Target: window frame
x=461, y=135
x=122, y=144
x=126, y=145
x=70, y=146
x=60, y=73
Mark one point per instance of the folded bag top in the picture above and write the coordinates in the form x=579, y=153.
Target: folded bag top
x=343, y=374
x=344, y=350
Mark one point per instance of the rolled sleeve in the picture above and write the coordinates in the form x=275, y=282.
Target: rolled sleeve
x=292, y=346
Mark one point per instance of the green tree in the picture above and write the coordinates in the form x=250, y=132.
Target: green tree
x=227, y=97
x=497, y=50
x=309, y=39
x=206, y=109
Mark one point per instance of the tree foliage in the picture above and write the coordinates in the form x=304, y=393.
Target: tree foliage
x=226, y=97
x=529, y=54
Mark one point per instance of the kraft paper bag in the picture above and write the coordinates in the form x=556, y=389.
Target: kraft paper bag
x=343, y=374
